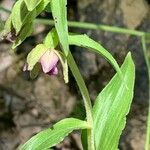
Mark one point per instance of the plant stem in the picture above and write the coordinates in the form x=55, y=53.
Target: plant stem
x=93, y=26
x=79, y=78
x=5, y=10
x=143, y=41
x=89, y=26
x=86, y=98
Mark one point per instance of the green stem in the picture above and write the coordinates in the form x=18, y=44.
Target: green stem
x=5, y=10
x=148, y=68
x=79, y=78
x=89, y=26
x=86, y=98
x=93, y=26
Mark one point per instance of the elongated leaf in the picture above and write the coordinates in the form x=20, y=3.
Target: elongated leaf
x=24, y=33
x=21, y=15
x=22, y=20
x=111, y=107
x=42, y=6
x=85, y=41
x=8, y=25
x=52, y=136
x=35, y=54
x=1, y=25
x=31, y=4
x=35, y=71
x=59, y=12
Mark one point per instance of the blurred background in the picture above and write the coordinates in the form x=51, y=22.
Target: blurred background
x=28, y=106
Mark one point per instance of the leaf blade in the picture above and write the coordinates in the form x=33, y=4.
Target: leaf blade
x=50, y=137
x=35, y=54
x=59, y=12
x=31, y=4
x=111, y=107
x=20, y=15
x=85, y=41
x=24, y=33
x=51, y=39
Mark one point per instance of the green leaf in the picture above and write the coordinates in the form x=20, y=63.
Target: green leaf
x=1, y=25
x=51, y=40
x=35, y=54
x=48, y=8
x=85, y=41
x=21, y=15
x=21, y=20
x=111, y=107
x=8, y=25
x=59, y=12
x=24, y=33
x=35, y=71
x=31, y=4
x=52, y=136
x=42, y=6
x=84, y=139
x=64, y=64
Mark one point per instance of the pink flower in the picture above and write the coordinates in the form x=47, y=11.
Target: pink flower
x=48, y=61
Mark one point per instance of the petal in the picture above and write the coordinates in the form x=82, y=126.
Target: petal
x=54, y=71
x=48, y=61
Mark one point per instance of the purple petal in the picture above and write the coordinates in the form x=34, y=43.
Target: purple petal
x=54, y=71
x=49, y=61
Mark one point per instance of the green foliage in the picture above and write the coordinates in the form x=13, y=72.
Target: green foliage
x=31, y=4
x=111, y=107
x=106, y=120
x=35, y=54
x=1, y=25
x=24, y=33
x=52, y=136
x=85, y=41
x=8, y=25
x=59, y=12
x=42, y=6
x=35, y=71
x=21, y=15
x=86, y=98
x=51, y=40
x=21, y=20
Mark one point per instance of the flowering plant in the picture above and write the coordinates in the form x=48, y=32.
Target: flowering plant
x=104, y=120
